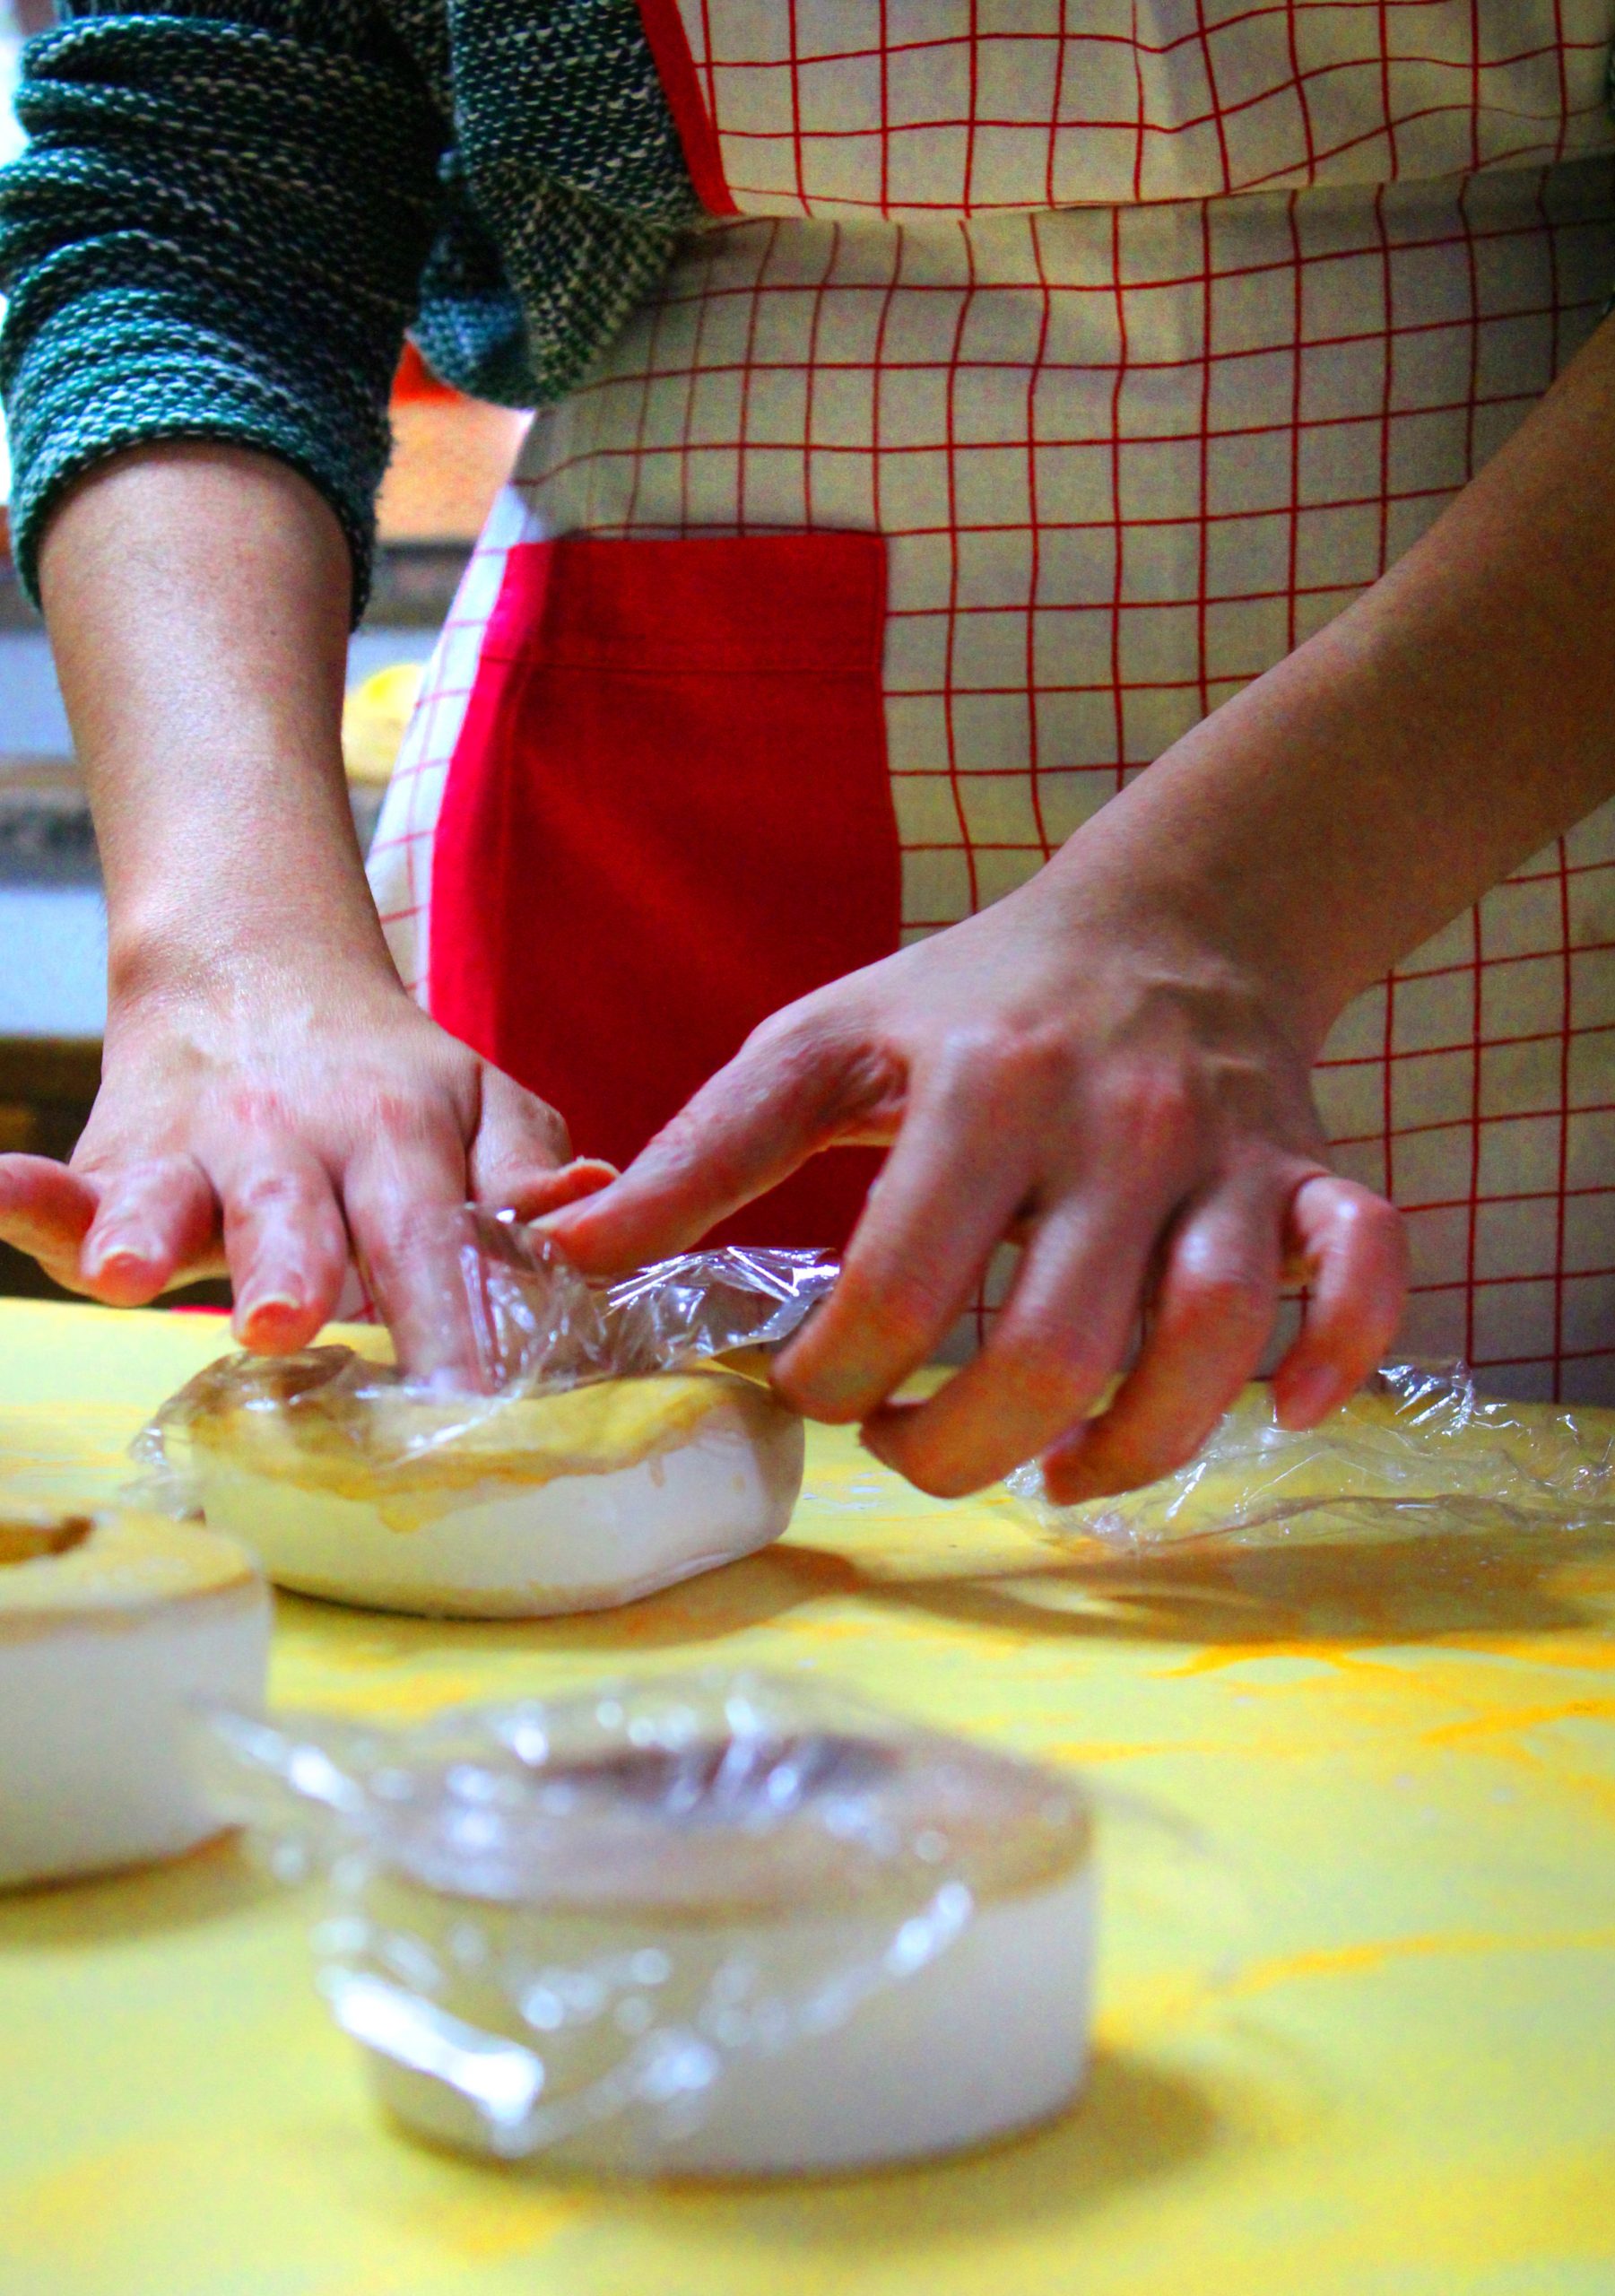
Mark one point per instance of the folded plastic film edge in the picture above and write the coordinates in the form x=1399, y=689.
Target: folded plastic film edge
x=1418, y=1449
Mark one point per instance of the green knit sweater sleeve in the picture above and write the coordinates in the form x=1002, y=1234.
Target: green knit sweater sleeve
x=217, y=231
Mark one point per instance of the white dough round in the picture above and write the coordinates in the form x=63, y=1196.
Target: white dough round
x=574, y=1502
x=109, y=1626
x=988, y=2036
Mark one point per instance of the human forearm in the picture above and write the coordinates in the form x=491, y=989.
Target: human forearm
x=248, y=280
x=197, y=598
x=1452, y=721
x=272, y=1101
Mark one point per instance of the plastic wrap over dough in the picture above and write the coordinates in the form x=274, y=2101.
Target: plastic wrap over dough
x=348, y=1484
x=724, y=1924
x=590, y=1448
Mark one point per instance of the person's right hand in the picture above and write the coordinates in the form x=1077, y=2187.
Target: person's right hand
x=282, y=1126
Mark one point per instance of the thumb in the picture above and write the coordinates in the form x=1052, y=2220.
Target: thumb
x=521, y=1159
x=792, y=1089
x=548, y=1192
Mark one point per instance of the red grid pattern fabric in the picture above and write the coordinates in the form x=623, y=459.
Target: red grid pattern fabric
x=1125, y=459
x=909, y=108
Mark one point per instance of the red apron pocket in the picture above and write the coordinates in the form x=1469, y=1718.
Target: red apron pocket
x=668, y=815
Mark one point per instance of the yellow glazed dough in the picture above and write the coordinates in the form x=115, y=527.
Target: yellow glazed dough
x=423, y=1451
x=517, y=1507
x=111, y=1626
x=57, y=1569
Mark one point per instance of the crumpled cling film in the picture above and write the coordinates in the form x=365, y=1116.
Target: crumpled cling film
x=562, y=1912
x=538, y=1323
x=1417, y=1449
x=532, y=1325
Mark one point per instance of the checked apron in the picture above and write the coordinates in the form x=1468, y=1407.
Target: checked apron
x=1044, y=370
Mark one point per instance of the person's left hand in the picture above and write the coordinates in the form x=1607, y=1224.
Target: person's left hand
x=1088, y=1069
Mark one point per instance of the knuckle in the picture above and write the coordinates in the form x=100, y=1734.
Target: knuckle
x=691, y=1147
x=1035, y=1059
x=257, y=1108
x=1024, y=1059
x=1369, y=1231
x=515, y=1122
x=512, y=1154
x=397, y=1115
x=1230, y=1299
x=910, y=1315
x=1054, y=1374
x=906, y=1306
x=127, y=1173
x=1155, y=1110
x=553, y=1131
x=1378, y=1223
x=789, y=1039
x=805, y=1059
x=262, y=1193
x=395, y=1235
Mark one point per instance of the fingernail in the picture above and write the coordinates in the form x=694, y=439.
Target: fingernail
x=119, y=1260
x=1309, y=1396
x=595, y=1170
x=1070, y=1480
x=874, y=1443
x=878, y=1433
x=544, y=1224
x=258, y=1318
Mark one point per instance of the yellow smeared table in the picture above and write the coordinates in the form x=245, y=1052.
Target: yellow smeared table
x=1405, y=1756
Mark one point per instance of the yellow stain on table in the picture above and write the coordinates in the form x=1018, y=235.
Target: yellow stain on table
x=1386, y=2073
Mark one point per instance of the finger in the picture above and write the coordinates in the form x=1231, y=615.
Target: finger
x=1354, y=1249
x=46, y=1210
x=1214, y=1305
x=519, y=1137
x=157, y=1223
x=405, y=1202
x=790, y=1091
x=1061, y=1338
x=944, y=1197
x=547, y=1191
x=286, y=1244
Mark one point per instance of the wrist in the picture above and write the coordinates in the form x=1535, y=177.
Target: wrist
x=1195, y=913
x=220, y=955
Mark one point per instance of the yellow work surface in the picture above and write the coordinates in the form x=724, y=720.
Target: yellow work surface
x=1403, y=1760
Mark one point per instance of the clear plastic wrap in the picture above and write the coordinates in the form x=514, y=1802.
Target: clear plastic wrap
x=1419, y=1450
x=538, y=1325
x=534, y=1328
x=668, y=1923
